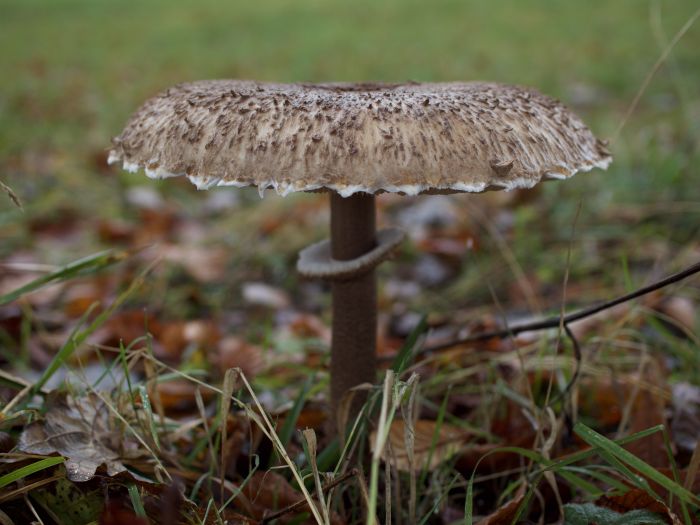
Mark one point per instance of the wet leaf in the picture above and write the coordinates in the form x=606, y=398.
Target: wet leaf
x=69, y=503
x=80, y=429
x=588, y=513
x=635, y=499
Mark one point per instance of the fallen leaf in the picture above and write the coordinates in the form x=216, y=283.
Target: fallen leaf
x=82, y=430
x=115, y=231
x=178, y=395
x=234, y=352
x=262, y=294
x=205, y=264
x=429, y=449
x=685, y=425
x=681, y=311
x=648, y=410
x=116, y=513
x=635, y=499
x=591, y=514
x=505, y=514
x=270, y=491
x=69, y=503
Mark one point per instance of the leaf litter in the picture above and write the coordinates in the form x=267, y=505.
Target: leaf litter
x=239, y=310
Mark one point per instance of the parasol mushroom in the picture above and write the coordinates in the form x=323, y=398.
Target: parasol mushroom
x=354, y=141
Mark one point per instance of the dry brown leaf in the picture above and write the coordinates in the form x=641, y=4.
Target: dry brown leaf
x=308, y=326
x=636, y=499
x=178, y=395
x=505, y=514
x=81, y=296
x=205, y=264
x=84, y=431
x=312, y=418
x=117, y=514
x=602, y=400
x=681, y=311
x=234, y=352
x=428, y=449
x=115, y=231
x=648, y=410
x=174, y=337
x=270, y=491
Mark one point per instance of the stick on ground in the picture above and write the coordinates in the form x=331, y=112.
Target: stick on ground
x=555, y=322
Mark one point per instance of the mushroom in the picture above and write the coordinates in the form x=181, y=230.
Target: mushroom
x=355, y=141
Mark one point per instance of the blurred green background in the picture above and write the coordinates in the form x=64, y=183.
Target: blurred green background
x=73, y=71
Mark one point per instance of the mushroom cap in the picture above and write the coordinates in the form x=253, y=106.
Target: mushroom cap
x=409, y=138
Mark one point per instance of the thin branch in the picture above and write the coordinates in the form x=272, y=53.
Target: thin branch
x=555, y=322
x=303, y=502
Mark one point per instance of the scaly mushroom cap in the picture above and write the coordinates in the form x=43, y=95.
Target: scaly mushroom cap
x=408, y=138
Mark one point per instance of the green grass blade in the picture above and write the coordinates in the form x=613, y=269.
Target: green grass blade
x=136, y=500
x=609, y=447
x=405, y=355
x=27, y=470
x=64, y=352
x=89, y=264
x=600, y=476
x=287, y=430
x=77, y=338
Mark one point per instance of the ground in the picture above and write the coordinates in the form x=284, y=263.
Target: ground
x=220, y=288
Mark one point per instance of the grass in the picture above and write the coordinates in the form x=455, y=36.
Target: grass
x=75, y=70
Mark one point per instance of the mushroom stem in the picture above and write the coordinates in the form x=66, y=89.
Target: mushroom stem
x=354, y=338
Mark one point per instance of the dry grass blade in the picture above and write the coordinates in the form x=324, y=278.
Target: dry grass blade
x=311, y=449
x=12, y=195
x=230, y=381
x=652, y=72
x=269, y=430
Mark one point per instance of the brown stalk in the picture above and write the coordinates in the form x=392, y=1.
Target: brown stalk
x=354, y=339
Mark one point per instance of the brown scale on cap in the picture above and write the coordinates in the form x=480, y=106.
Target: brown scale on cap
x=408, y=138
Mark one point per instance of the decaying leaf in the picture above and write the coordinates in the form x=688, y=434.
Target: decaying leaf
x=117, y=514
x=68, y=503
x=686, y=415
x=429, y=449
x=588, y=513
x=83, y=430
x=505, y=514
x=637, y=499
x=235, y=352
x=647, y=410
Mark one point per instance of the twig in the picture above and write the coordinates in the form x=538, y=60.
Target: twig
x=555, y=322
x=302, y=502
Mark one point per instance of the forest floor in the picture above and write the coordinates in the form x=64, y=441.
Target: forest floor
x=126, y=351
